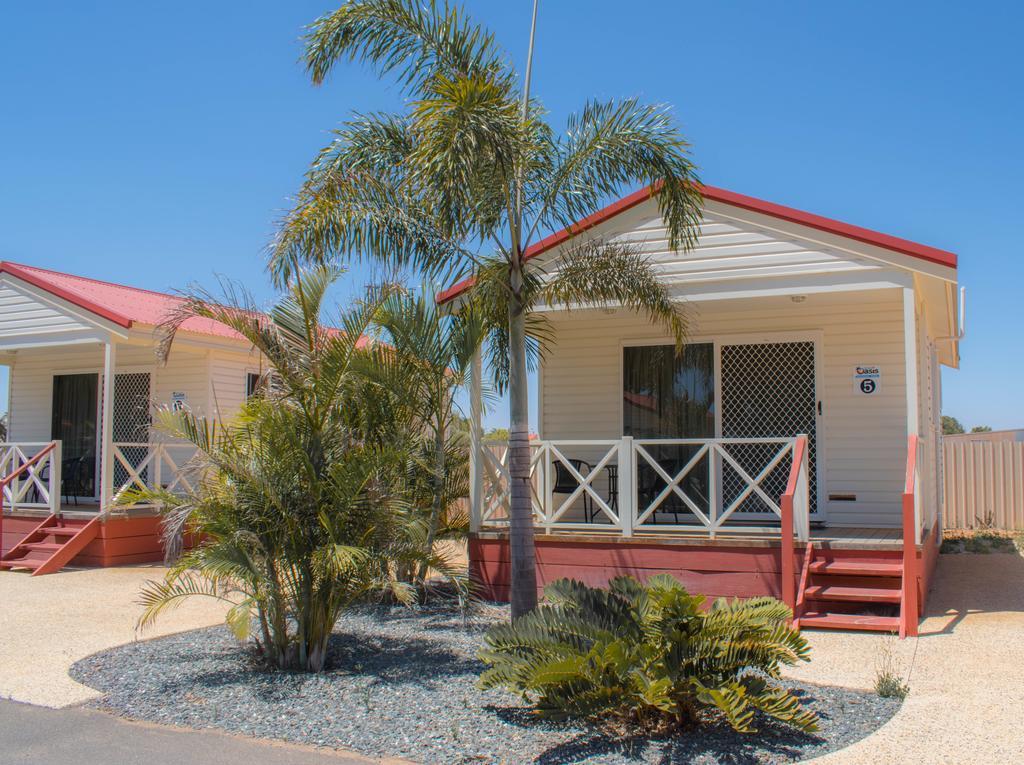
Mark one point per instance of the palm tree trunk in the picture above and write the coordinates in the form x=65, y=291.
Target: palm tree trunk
x=521, y=546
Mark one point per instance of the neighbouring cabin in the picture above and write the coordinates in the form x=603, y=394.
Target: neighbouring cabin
x=792, y=449
x=85, y=379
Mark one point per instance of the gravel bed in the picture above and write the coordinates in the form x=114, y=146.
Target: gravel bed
x=403, y=684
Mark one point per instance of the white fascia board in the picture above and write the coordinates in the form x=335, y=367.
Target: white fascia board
x=50, y=339
x=804, y=285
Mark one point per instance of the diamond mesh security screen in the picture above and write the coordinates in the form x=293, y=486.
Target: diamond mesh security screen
x=131, y=421
x=767, y=392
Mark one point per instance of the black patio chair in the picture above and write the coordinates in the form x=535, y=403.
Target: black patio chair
x=73, y=477
x=566, y=483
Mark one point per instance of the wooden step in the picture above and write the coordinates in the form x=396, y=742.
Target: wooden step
x=61, y=531
x=856, y=568
x=854, y=594
x=830, y=621
x=46, y=547
x=31, y=561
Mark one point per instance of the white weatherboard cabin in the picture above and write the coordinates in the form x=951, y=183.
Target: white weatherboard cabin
x=792, y=449
x=84, y=381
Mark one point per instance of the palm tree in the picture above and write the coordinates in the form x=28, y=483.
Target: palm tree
x=429, y=359
x=465, y=180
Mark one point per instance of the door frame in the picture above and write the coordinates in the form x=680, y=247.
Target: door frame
x=814, y=336
x=99, y=419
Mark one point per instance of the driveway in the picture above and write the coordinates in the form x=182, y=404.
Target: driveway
x=47, y=623
x=38, y=736
x=966, y=670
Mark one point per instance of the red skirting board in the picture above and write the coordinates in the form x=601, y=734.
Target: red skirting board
x=715, y=569
x=120, y=541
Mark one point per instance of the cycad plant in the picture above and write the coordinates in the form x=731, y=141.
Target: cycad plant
x=467, y=178
x=299, y=504
x=649, y=656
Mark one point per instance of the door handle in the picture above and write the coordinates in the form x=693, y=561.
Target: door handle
x=819, y=407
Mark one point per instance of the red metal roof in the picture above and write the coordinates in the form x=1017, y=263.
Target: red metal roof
x=867, y=236
x=122, y=305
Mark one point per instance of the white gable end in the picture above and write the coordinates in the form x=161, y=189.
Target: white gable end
x=730, y=249
x=30, y=317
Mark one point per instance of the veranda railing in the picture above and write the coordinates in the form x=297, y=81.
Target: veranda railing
x=30, y=473
x=148, y=466
x=629, y=486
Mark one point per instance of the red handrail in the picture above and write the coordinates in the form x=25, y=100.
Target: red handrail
x=6, y=481
x=909, y=613
x=786, y=507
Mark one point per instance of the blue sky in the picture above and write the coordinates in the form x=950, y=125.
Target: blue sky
x=156, y=144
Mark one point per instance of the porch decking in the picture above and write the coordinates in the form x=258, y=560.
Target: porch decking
x=822, y=538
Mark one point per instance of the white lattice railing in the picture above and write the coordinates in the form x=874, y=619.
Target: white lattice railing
x=629, y=485
x=37, y=486
x=148, y=466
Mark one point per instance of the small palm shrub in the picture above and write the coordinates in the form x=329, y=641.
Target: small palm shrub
x=648, y=656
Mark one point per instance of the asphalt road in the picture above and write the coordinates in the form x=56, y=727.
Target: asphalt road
x=31, y=735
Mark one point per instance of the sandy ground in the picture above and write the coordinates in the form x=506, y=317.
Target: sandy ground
x=965, y=671
x=47, y=623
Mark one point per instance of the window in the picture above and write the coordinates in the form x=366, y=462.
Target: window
x=252, y=384
x=669, y=395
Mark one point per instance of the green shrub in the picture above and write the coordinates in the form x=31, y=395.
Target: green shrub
x=891, y=686
x=648, y=656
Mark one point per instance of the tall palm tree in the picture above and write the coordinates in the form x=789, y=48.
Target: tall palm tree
x=464, y=180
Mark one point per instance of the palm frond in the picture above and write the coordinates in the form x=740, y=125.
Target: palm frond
x=599, y=274
x=612, y=145
x=411, y=40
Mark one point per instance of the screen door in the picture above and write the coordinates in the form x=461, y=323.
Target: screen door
x=768, y=391
x=131, y=423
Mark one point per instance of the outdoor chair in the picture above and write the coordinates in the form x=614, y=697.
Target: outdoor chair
x=566, y=483
x=73, y=475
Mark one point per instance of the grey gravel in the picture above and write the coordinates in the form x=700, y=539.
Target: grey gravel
x=403, y=684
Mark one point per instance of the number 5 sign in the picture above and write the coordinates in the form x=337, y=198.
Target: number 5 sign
x=867, y=379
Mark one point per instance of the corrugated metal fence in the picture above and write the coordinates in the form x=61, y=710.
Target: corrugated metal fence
x=984, y=483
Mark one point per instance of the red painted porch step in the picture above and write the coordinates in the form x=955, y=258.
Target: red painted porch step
x=31, y=561
x=853, y=594
x=825, y=620
x=46, y=547
x=856, y=568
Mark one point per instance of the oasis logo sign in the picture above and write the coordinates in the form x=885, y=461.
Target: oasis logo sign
x=867, y=379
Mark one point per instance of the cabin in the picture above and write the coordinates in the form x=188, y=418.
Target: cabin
x=85, y=378
x=792, y=449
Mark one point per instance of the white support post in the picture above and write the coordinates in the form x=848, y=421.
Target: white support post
x=55, y=478
x=713, y=459
x=476, y=467
x=627, y=493
x=913, y=388
x=107, y=429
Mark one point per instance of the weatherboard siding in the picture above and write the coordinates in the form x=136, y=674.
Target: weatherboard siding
x=727, y=248
x=31, y=380
x=23, y=313
x=863, y=438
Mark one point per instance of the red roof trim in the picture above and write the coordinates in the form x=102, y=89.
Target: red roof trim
x=867, y=236
x=16, y=271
